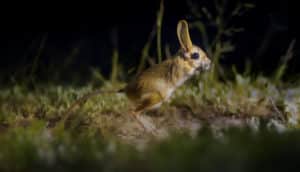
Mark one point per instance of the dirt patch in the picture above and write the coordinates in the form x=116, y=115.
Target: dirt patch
x=168, y=120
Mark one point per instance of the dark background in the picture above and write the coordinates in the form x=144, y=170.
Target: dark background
x=89, y=27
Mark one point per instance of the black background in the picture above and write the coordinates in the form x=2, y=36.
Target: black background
x=89, y=26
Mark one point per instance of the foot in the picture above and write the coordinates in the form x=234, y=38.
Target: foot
x=146, y=125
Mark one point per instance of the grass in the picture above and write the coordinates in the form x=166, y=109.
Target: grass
x=199, y=98
x=199, y=103
x=244, y=124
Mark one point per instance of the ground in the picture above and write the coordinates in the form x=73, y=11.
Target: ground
x=32, y=126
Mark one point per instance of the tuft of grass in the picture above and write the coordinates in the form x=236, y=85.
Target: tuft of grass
x=284, y=61
x=159, y=21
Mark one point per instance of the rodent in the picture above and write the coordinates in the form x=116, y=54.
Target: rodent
x=155, y=85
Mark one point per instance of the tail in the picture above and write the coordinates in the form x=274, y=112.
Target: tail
x=84, y=98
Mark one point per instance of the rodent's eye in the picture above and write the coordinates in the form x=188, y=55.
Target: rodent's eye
x=195, y=56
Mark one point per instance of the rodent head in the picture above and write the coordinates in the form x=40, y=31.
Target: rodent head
x=195, y=56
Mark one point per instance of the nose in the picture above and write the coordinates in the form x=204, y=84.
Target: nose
x=207, y=64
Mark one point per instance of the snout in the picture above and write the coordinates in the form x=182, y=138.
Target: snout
x=206, y=65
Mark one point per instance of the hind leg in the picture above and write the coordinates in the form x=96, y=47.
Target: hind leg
x=149, y=101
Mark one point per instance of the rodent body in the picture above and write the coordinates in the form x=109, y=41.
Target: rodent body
x=160, y=80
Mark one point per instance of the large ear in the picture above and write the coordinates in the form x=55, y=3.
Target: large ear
x=184, y=36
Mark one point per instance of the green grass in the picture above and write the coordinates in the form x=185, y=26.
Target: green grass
x=241, y=125
x=244, y=124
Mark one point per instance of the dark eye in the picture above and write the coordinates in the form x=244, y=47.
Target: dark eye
x=195, y=56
